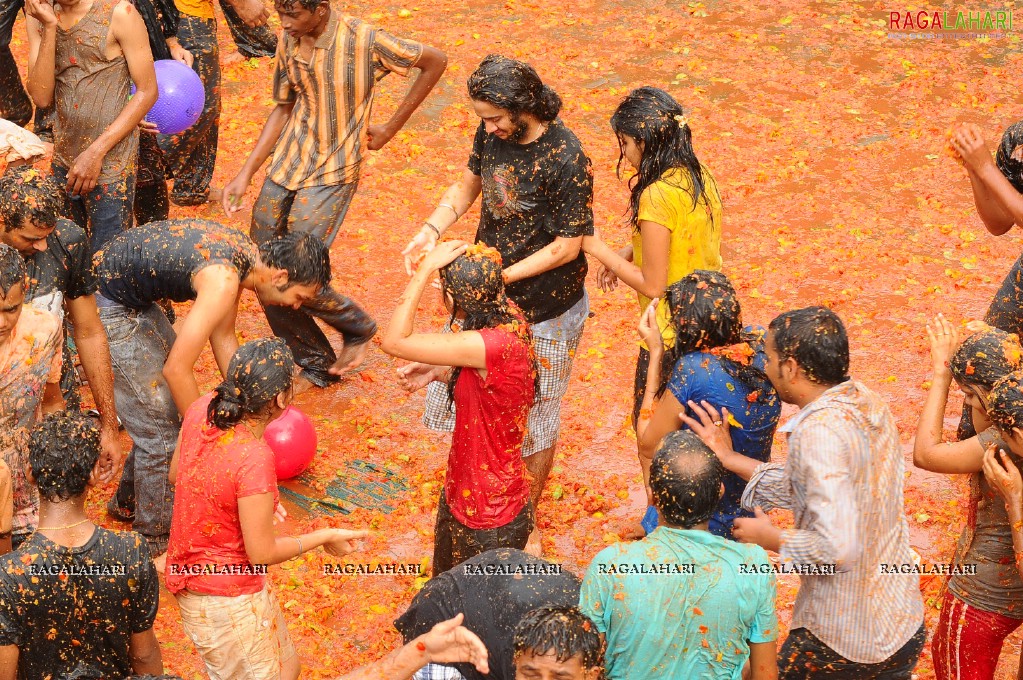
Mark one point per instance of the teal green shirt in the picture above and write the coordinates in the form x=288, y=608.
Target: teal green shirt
x=680, y=604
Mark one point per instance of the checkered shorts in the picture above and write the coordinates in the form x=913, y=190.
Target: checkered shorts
x=554, y=357
x=434, y=671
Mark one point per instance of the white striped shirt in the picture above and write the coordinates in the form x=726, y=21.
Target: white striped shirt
x=843, y=481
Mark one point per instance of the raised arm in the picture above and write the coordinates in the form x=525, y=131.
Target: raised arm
x=456, y=202
x=1003, y=475
x=41, y=23
x=998, y=203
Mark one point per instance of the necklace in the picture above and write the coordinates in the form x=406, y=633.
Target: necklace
x=66, y=526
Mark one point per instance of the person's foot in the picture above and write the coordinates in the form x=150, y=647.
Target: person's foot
x=235, y=57
x=534, y=545
x=116, y=512
x=160, y=563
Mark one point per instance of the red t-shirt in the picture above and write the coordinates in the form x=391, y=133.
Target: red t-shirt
x=215, y=469
x=486, y=479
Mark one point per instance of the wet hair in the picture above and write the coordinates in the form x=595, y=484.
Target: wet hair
x=25, y=194
x=1009, y=156
x=815, y=337
x=563, y=631
x=685, y=478
x=1005, y=403
x=12, y=269
x=258, y=372
x=985, y=358
x=513, y=86
x=705, y=314
x=62, y=451
x=309, y=5
x=652, y=117
x=476, y=283
x=302, y=255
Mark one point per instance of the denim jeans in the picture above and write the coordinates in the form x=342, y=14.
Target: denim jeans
x=104, y=212
x=191, y=155
x=252, y=41
x=139, y=344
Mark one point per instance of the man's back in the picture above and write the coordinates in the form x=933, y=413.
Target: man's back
x=77, y=608
x=679, y=604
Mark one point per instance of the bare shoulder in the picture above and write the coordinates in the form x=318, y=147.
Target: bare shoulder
x=125, y=17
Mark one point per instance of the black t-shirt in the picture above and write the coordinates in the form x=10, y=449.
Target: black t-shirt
x=72, y=611
x=63, y=271
x=494, y=590
x=157, y=261
x=533, y=193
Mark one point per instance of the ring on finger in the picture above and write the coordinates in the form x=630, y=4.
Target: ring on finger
x=718, y=423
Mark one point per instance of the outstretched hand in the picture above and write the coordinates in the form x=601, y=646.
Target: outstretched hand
x=450, y=642
x=712, y=427
x=343, y=541
x=944, y=339
x=443, y=254
x=421, y=244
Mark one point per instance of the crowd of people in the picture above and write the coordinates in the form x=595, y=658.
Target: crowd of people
x=90, y=262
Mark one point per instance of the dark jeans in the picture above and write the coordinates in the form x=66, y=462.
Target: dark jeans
x=191, y=155
x=151, y=202
x=104, y=212
x=15, y=104
x=252, y=41
x=803, y=656
x=454, y=543
x=139, y=345
x=318, y=211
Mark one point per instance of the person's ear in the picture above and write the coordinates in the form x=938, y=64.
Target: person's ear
x=1017, y=434
x=721, y=492
x=592, y=673
x=279, y=277
x=789, y=369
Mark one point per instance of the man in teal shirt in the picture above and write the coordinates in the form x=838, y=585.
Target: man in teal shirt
x=683, y=603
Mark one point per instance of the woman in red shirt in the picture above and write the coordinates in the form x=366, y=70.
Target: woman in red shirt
x=222, y=531
x=485, y=503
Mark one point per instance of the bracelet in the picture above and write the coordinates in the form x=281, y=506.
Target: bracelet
x=301, y=548
x=451, y=208
x=435, y=229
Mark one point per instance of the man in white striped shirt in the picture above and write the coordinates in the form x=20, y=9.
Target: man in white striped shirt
x=843, y=482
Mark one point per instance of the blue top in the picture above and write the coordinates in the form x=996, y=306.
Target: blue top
x=701, y=376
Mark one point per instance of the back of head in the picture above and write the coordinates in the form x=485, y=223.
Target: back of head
x=27, y=195
x=62, y=451
x=1005, y=403
x=258, y=372
x=304, y=256
x=705, y=311
x=562, y=631
x=815, y=337
x=985, y=358
x=1009, y=157
x=12, y=269
x=475, y=281
x=685, y=478
x=513, y=86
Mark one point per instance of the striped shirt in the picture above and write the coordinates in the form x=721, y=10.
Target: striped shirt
x=843, y=481
x=323, y=141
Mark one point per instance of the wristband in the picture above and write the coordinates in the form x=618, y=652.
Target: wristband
x=435, y=229
x=301, y=548
x=451, y=208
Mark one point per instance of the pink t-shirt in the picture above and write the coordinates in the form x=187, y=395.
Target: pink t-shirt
x=486, y=479
x=206, y=552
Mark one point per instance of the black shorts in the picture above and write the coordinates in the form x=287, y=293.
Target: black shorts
x=454, y=543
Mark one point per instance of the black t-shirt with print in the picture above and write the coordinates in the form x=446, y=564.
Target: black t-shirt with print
x=72, y=611
x=64, y=270
x=532, y=194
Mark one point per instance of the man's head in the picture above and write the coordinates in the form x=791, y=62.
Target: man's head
x=806, y=348
x=685, y=478
x=29, y=207
x=62, y=452
x=12, y=289
x=299, y=265
x=302, y=17
x=508, y=95
x=557, y=643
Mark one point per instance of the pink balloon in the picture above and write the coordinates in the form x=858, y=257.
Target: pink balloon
x=292, y=438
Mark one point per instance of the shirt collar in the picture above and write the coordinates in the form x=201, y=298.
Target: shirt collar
x=326, y=38
x=820, y=402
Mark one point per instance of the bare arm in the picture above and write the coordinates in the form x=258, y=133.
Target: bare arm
x=455, y=203
x=560, y=251
x=41, y=23
x=652, y=278
x=235, y=189
x=763, y=660
x=1003, y=475
x=145, y=653
x=53, y=399
x=431, y=63
x=998, y=202
x=9, y=662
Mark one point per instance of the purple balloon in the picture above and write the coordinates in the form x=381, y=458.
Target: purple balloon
x=181, y=97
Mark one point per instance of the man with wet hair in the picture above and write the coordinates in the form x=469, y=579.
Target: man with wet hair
x=76, y=600
x=205, y=262
x=682, y=602
x=318, y=134
x=29, y=381
x=843, y=481
x=557, y=643
x=537, y=205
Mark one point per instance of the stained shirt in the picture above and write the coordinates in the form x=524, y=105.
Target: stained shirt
x=843, y=481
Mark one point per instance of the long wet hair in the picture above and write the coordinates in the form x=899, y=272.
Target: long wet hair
x=1005, y=404
x=985, y=358
x=1009, y=156
x=258, y=372
x=706, y=315
x=513, y=86
x=475, y=282
x=655, y=120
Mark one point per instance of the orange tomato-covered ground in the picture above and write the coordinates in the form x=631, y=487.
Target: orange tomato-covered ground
x=826, y=137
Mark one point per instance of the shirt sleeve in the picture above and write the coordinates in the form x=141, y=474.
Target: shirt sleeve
x=256, y=472
x=823, y=450
x=10, y=631
x=765, y=621
x=572, y=198
x=6, y=499
x=595, y=594
x=393, y=54
x=82, y=279
x=283, y=91
x=769, y=488
x=476, y=156
x=654, y=206
x=145, y=593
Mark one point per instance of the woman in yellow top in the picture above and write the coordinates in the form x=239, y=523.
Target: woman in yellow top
x=675, y=210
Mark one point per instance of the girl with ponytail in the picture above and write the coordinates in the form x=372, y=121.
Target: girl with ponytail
x=222, y=531
x=491, y=377
x=674, y=210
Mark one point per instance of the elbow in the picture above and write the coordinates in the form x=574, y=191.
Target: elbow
x=41, y=99
x=652, y=290
x=921, y=457
x=433, y=62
